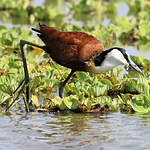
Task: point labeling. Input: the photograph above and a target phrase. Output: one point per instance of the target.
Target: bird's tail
(36, 30)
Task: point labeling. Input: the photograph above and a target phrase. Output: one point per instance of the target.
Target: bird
(78, 51)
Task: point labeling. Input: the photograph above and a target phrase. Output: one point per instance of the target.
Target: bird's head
(113, 57)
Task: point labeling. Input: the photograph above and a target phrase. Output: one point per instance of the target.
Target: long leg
(62, 85)
(22, 44)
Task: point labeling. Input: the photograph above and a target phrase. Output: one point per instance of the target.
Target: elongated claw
(61, 90)
(62, 85)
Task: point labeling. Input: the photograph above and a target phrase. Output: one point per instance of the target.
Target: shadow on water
(74, 131)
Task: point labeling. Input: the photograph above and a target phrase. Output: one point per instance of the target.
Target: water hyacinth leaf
(130, 86)
(58, 103)
(106, 82)
(125, 97)
(82, 106)
(141, 61)
(13, 70)
(59, 19)
(125, 23)
(144, 30)
(97, 90)
(120, 99)
(104, 100)
(30, 67)
(71, 102)
(115, 29)
(5, 98)
(115, 103)
(144, 47)
(57, 100)
(137, 86)
(6, 39)
(62, 106)
(34, 99)
(81, 75)
(35, 82)
(140, 103)
(144, 86)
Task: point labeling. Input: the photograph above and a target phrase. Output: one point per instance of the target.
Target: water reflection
(123, 9)
(132, 50)
(74, 131)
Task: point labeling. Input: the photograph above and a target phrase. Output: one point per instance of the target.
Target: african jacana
(77, 51)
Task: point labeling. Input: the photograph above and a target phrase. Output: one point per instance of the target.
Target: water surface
(72, 131)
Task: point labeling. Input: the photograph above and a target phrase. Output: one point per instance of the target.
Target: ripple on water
(74, 131)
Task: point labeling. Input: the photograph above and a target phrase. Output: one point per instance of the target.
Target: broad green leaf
(140, 103)
(71, 102)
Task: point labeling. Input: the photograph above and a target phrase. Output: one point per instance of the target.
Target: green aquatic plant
(105, 92)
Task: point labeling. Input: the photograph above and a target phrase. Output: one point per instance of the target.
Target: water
(72, 131)
(132, 50)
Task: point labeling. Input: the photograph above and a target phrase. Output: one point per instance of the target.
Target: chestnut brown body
(69, 49)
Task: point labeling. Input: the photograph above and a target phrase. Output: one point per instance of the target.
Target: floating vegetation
(106, 92)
